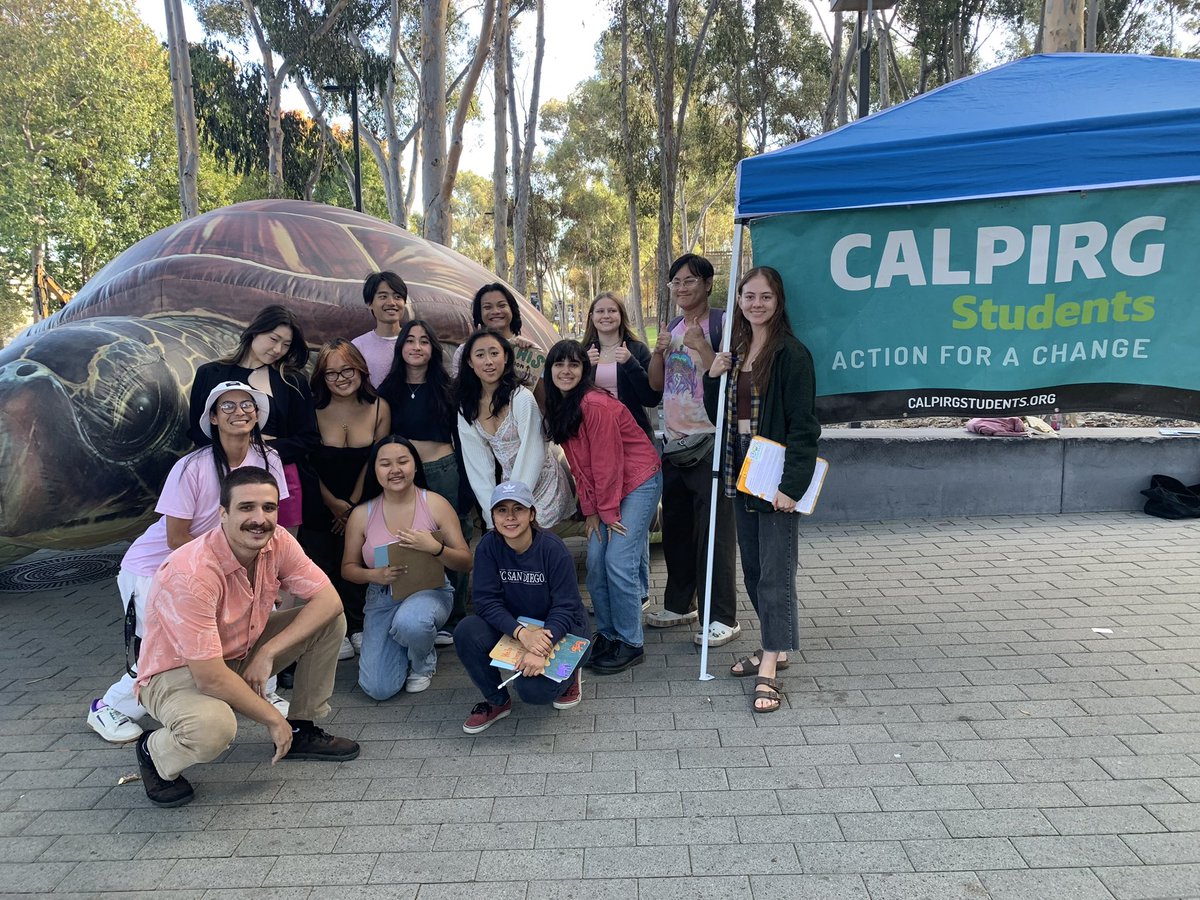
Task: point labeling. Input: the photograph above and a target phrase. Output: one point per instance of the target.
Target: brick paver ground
(954, 727)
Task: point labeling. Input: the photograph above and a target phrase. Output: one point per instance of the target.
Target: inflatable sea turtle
(93, 400)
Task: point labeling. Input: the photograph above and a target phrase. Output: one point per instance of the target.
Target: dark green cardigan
(787, 415)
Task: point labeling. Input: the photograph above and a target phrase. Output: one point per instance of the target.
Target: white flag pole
(718, 448)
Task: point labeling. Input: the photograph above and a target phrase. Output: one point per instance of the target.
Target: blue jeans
(614, 565)
(397, 635)
(474, 640)
(770, 551)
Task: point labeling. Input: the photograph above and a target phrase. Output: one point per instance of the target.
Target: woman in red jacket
(619, 481)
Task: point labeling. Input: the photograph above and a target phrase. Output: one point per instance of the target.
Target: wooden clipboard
(425, 573)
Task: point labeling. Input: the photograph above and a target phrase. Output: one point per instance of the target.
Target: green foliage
(231, 107)
(87, 144)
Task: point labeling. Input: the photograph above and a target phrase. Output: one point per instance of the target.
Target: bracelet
(517, 633)
(441, 550)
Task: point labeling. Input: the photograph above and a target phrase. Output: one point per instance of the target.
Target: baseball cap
(512, 490)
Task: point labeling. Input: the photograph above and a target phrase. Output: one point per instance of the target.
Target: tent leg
(726, 333)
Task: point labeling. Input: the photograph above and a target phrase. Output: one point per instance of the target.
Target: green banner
(1078, 301)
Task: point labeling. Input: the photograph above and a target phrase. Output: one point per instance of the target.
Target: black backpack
(1170, 498)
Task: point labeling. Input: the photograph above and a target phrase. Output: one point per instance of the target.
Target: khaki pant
(198, 728)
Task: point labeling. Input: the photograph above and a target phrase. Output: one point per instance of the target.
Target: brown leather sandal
(749, 667)
(771, 694)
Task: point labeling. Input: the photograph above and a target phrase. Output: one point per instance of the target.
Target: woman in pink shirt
(619, 481)
(398, 624)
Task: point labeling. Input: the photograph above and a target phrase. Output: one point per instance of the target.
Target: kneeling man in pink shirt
(212, 639)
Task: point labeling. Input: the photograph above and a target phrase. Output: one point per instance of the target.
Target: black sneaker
(619, 657)
(160, 791)
(311, 742)
(601, 646)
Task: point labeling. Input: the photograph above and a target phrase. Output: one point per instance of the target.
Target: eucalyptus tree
(86, 151)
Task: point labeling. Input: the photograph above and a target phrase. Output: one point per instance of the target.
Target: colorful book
(564, 656)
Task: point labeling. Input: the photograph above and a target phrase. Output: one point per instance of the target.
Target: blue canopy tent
(889, 223)
(1057, 122)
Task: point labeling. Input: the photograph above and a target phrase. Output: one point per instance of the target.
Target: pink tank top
(377, 534)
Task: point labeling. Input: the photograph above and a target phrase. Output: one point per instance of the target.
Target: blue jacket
(539, 583)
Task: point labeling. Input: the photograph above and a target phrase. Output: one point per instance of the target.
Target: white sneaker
(279, 703)
(664, 618)
(356, 642)
(444, 638)
(115, 727)
(718, 633)
(417, 683)
(347, 650)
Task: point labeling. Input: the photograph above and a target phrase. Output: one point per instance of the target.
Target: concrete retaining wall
(903, 473)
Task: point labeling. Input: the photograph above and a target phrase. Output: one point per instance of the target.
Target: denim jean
(399, 636)
(441, 477)
(474, 639)
(614, 564)
(769, 546)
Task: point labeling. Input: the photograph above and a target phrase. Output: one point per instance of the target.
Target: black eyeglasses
(228, 406)
(345, 374)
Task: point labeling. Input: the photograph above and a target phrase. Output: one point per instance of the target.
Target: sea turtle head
(91, 417)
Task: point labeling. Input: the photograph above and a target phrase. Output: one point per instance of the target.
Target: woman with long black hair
(420, 393)
(771, 393)
(499, 422)
(397, 647)
(618, 477)
(351, 418)
(270, 357)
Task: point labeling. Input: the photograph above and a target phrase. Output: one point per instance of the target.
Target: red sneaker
(573, 695)
(484, 715)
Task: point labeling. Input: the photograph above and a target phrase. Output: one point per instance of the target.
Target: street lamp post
(352, 90)
(864, 9)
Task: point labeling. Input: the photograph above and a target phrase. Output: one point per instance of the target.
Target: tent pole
(726, 334)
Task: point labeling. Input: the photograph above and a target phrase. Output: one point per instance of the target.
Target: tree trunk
(635, 255)
(410, 193)
(433, 119)
(390, 167)
(500, 89)
(37, 258)
(1093, 25)
(833, 104)
(439, 157)
(671, 113)
(318, 116)
(1063, 26)
(885, 87)
(524, 177)
(310, 184)
(186, 139)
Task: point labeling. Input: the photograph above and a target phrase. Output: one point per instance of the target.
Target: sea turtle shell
(310, 257)
(93, 400)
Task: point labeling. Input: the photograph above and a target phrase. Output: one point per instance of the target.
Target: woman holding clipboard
(771, 394)
(398, 631)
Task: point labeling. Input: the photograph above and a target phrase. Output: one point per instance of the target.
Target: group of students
(386, 444)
